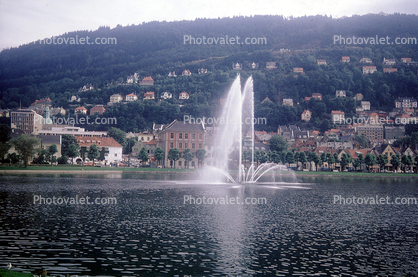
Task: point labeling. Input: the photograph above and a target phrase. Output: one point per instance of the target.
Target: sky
(25, 21)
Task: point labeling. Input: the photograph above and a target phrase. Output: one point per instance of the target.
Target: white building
(110, 150)
(166, 95)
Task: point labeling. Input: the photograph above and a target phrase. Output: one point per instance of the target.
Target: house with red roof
(147, 81)
(149, 95)
(183, 95)
(80, 110)
(110, 150)
(131, 97)
(97, 110)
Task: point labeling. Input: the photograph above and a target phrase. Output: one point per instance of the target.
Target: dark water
(152, 232)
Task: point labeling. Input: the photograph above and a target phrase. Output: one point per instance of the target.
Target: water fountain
(237, 118)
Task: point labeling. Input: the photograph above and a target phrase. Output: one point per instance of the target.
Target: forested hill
(34, 71)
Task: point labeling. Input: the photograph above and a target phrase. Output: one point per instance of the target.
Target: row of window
(186, 145)
(186, 136)
(180, 163)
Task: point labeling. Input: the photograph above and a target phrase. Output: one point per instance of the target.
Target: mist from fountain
(237, 118)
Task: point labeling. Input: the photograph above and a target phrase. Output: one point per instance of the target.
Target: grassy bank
(91, 169)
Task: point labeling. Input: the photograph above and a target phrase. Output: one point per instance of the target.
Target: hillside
(36, 71)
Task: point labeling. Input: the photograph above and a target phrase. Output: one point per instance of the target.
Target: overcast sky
(24, 21)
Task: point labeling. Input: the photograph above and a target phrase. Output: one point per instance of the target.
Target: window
(180, 135)
(148, 138)
(179, 163)
(200, 136)
(200, 145)
(172, 135)
(180, 145)
(186, 136)
(116, 154)
(193, 136)
(171, 145)
(186, 145)
(193, 145)
(193, 163)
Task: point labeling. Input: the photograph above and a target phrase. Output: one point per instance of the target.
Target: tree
(52, 149)
(67, 140)
(93, 152)
(42, 156)
(4, 148)
(406, 161)
(325, 126)
(174, 155)
(361, 140)
(25, 146)
(313, 157)
(14, 158)
(278, 143)
(356, 164)
(370, 161)
(5, 133)
(118, 135)
(395, 161)
(302, 159)
(330, 159)
(360, 160)
(159, 155)
(290, 158)
(344, 161)
(72, 152)
(336, 159)
(130, 142)
(382, 160)
(188, 156)
(143, 155)
(200, 155)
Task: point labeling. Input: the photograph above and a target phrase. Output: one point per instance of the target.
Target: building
(131, 97)
(202, 71)
(99, 109)
(389, 70)
(147, 81)
(271, 65)
(149, 95)
(183, 95)
(110, 150)
(288, 102)
(298, 70)
(237, 66)
(340, 93)
(365, 105)
(394, 132)
(369, 69)
(115, 98)
(337, 117)
(321, 62)
(186, 72)
(47, 141)
(406, 60)
(373, 132)
(74, 131)
(172, 74)
(150, 146)
(359, 97)
(80, 110)
(365, 60)
(389, 61)
(345, 59)
(86, 87)
(253, 65)
(74, 98)
(26, 120)
(406, 102)
(181, 135)
(306, 115)
(166, 95)
(145, 136)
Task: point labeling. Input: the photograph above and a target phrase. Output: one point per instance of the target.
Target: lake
(159, 225)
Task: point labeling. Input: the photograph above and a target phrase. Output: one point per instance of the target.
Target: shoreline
(78, 171)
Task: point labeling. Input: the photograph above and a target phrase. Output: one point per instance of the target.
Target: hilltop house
(306, 115)
(365, 60)
(321, 62)
(369, 69)
(337, 117)
(237, 66)
(115, 98)
(406, 102)
(183, 95)
(389, 70)
(271, 65)
(345, 59)
(99, 109)
(358, 96)
(166, 95)
(172, 74)
(288, 102)
(340, 93)
(202, 71)
(149, 95)
(389, 61)
(298, 70)
(186, 73)
(131, 97)
(147, 81)
(80, 110)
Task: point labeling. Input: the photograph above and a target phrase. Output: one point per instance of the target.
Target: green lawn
(89, 168)
(11, 273)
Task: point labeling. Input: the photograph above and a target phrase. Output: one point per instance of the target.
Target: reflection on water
(150, 231)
